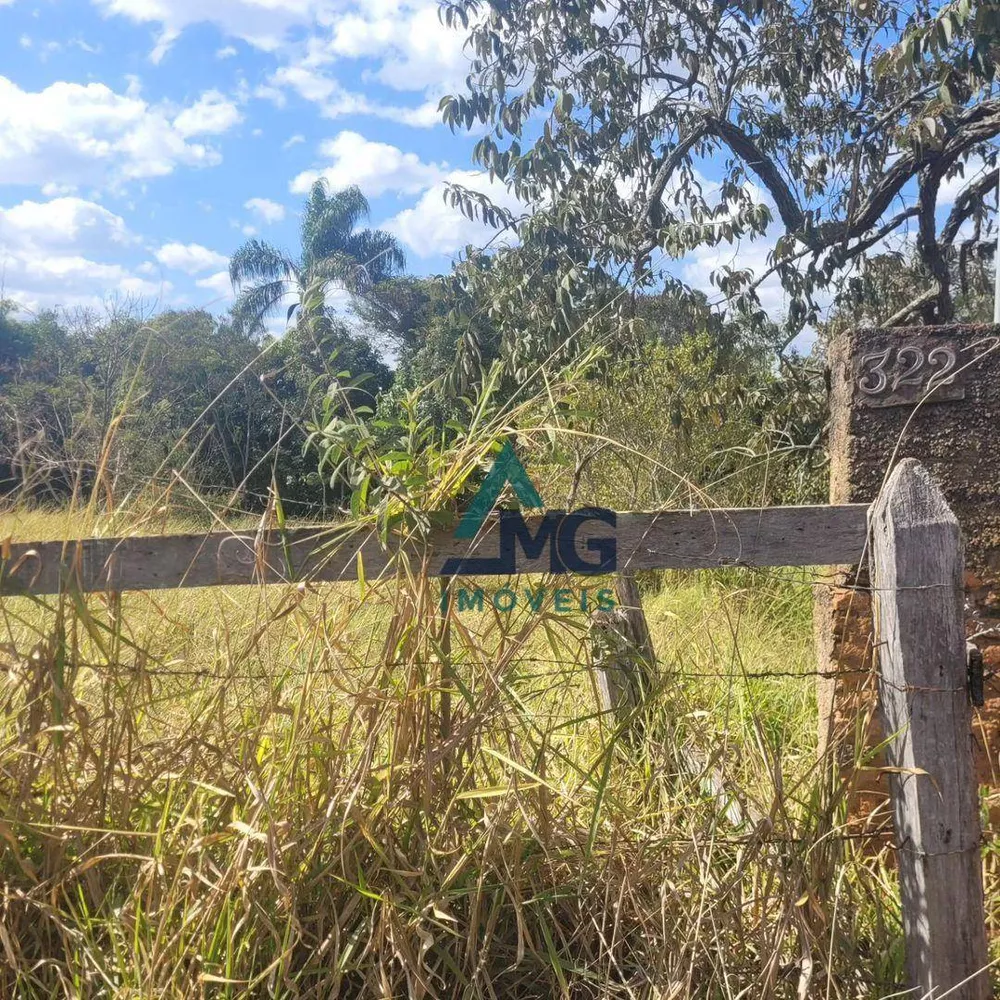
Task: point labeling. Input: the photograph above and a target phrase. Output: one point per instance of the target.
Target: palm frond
(255, 304)
(257, 260)
(336, 268)
(347, 208)
(329, 220)
(378, 252)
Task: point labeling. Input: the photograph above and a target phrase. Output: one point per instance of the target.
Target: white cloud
(57, 190)
(47, 252)
(226, 52)
(191, 258)
(308, 83)
(75, 134)
(335, 101)
(403, 42)
(293, 140)
(262, 23)
(163, 44)
(433, 227)
(416, 49)
(140, 287)
(209, 115)
(376, 167)
(61, 223)
(52, 47)
(269, 211)
(218, 284)
(425, 115)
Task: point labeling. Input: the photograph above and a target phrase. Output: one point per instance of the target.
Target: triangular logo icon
(506, 469)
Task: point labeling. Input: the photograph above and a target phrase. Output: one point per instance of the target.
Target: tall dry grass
(332, 790)
(298, 792)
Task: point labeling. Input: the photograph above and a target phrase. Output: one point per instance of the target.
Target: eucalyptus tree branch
(975, 126)
(894, 112)
(927, 244)
(834, 136)
(849, 253)
(843, 255)
(969, 199)
(764, 167)
(908, 310)
(665, 171)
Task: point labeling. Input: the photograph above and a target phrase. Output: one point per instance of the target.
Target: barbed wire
(562, 667)
(748, 676)
(559, 669)
(709, 840)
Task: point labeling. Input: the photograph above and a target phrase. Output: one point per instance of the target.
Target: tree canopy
(333, 252)
(830, 126)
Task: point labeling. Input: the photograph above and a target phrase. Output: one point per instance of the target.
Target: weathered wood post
(930, 393)
(630, 602)
(917, 575)
(623, 658)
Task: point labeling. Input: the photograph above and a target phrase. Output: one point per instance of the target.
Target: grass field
(309, 792)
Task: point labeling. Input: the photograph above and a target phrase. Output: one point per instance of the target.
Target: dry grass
(294, 792)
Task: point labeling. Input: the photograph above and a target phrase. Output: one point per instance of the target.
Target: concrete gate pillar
(930, 393)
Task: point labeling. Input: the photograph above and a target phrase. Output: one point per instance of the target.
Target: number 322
(911, 362)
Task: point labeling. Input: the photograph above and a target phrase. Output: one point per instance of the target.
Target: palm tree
(333, 252)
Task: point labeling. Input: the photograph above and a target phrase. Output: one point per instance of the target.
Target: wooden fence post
(630, 602)
(623, 658)
(917, 577)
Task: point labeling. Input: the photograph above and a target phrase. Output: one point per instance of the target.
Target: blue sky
(141, 141)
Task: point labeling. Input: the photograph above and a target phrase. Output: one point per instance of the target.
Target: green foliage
(405, 468)
(334, 252)
(400, 310)
(604, 118)
(536, 305)
(695, 425)
(879, 293)
(394, 469)
(678, 393)
(429, 324)
(130, 406)
(184, 397)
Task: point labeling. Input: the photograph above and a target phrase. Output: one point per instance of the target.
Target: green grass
(295, 792)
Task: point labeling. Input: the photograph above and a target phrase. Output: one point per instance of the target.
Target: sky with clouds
(141, 141)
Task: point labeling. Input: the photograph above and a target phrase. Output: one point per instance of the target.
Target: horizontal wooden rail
(770, 536)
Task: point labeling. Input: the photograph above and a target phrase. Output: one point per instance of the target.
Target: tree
(399, 310)
(890, 281)
(334, 252)
(847, 117)
(426, 323)
(40, 395)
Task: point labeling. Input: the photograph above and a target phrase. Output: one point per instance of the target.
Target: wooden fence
(775, 536)
(915, 551)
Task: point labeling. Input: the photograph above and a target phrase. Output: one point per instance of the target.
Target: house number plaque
(919, 369)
